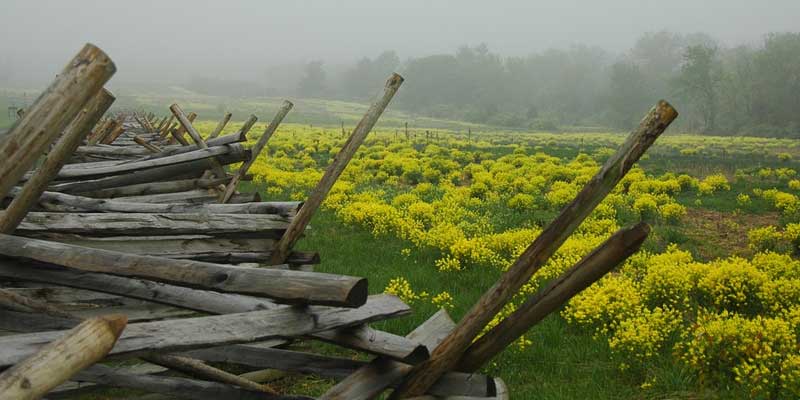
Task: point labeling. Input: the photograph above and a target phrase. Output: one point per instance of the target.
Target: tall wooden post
(256, 150)
(446, 356)
(46, 118)
(36, 185)
(303, 217)
(220, 125)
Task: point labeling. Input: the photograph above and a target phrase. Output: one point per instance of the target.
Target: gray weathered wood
(73, 135)
(256, 149)
(334, 170)
(221, 125)
(284, 285)
(45, 119)
(189, 333)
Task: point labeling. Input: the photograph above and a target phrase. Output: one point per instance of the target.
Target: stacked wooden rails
(129, 240)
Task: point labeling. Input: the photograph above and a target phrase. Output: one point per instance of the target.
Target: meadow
(709, 308)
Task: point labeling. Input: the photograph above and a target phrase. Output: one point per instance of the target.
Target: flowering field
(710, 305)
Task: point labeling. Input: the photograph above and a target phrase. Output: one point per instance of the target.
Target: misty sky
(169, 40)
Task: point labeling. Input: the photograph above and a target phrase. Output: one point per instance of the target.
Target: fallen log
(283, 285)
(170, 186)
(196, 196)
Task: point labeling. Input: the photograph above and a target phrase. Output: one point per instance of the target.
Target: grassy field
(709, 309)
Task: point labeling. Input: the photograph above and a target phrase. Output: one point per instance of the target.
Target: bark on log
(230, 189)
(47, 117)
(67, 353)
(334, 170)
(447, 355)
(42, 176)
(594, 266)
(283, 285)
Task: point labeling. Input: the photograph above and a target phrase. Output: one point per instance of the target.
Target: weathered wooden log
(113, 134)
(190, 333)
(230, 189)
(196, 196)
(372, 379)
(14, 301)
(84, 171)
(170, 186)
(150, 147)
(72, 137)
(362, 338)
(101, 129)
(221, 125)
(165, 129)
(135, 152)
(45, 119)
(248, 124)
(62, 202)
(198, 369)
(283, 285)
(186, 170)
(182, 388)
(594, 266)
(68, 352)
(449, 352)
(177, 134)
(198, 140)
(133, 224)
(334, 170)
(194, 247)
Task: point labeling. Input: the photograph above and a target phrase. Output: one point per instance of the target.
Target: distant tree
(313, 82)
(698, 82)
(627, 97)
(367, 76)
(777, 81)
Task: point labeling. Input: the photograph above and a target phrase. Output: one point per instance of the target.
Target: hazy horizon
(172, 41)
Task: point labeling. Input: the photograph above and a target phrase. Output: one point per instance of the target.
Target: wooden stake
(57, 361)
(218, 171)
(146, 144)
(220, 125)
(46, 118)
(259, 146)
(299, 223)
(43, 175)
(450, 351)
(591, 268)
(177, 135)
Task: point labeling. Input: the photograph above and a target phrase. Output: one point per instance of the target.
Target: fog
(170, 41)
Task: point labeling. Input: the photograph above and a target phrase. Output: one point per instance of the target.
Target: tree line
(745, 90)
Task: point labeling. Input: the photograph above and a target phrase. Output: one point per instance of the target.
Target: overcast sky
(174, 39)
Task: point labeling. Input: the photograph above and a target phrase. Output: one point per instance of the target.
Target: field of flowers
(731, 323)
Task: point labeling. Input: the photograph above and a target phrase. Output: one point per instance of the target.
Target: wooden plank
(73, 135)
(288, 286)
(334, 170)
(140, 224)
(52, 111)
(189, 333)
(66, 353)
(448, 354)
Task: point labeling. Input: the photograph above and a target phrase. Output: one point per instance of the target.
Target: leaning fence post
(198, 140)
(445, 357)
(256, 150)
(220, 125)
(303, 217)
(36, 185)
(46, 118)
(588, 270)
